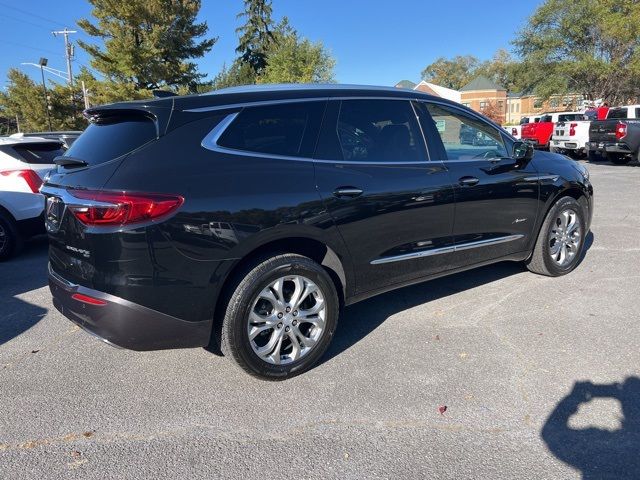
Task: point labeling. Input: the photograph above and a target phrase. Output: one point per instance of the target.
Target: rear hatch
(603, 131)
(113, 134)
(35, 161)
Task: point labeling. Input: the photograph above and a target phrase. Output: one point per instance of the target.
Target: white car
(24, 162)
(571, 135)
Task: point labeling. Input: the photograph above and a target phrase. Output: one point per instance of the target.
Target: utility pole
(68, 50)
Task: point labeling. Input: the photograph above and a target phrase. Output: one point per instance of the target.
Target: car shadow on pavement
(598, 452)
(21, 274)
(359, 320)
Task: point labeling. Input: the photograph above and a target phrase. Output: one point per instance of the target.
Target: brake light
(32, 178)
(87, 299)
(621, 130)
(572, 129)
(121, 208)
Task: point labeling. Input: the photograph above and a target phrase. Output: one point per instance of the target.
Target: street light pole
(43, 63)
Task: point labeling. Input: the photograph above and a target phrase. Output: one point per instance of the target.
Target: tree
(296, 60)
(452, 73)
(24, 99)
(256, 35)
(503, 69)
(493, 112)
(148, 44)
(583, 46)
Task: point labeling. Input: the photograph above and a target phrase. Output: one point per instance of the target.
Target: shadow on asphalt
(596, 452)
(361, 319)
(21, 274)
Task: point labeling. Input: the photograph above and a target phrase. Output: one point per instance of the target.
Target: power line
(37, 49)
(24, 12)
(16, 19)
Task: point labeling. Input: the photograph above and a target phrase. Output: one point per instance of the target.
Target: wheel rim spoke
(287, 319)
(565, 237)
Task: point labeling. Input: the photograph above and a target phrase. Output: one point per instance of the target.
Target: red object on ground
(442, 409)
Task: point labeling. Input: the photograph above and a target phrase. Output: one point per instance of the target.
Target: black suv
(248, 217)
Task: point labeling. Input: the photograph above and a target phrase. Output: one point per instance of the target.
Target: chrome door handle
(468, 181)
(347, 192)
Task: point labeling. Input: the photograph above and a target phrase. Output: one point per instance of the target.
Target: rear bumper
(613, 147)
(535, 142)
(123, 323)
(567, 145)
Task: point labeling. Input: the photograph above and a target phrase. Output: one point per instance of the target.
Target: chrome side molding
(451, 249)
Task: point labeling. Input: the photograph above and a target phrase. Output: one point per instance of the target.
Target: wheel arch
(319, 251)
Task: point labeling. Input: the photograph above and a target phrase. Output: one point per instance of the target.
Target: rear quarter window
(39, 153)
(288, 129)
(111, 138)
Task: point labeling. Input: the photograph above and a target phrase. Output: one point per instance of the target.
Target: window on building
(554, 103)
(517, 107)
(466, 104)
(483, 105)
(537, 103)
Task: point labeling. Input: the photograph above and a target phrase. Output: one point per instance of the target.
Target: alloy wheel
(287, 319)
(565, 237)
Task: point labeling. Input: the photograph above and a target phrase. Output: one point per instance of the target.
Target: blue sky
(373, 42)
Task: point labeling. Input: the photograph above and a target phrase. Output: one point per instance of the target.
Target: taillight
(32, 178)
(621, 130)
(572, 129)
(514, 131)
(121, 208)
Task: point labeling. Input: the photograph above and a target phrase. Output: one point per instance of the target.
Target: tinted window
(617, 113)
(570, 117)
(39, 152)
(546, 118)
(379, 131)
(287, 129)
(464, 136)
(111, 138)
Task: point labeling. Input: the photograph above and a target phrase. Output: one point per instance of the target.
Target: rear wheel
(281, 317)
(560, 240)
(10, 238)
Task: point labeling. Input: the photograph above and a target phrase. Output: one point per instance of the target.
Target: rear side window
(379, 131)
(546, 118)
(570, 117)
(39, 153)
(617, 113)
(288, 129)
(111, 138)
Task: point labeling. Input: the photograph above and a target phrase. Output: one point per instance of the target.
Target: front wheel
(560, 240)
(281, 317)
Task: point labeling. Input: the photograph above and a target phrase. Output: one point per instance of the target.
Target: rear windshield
(617, 113)
(39, 152)
(570, 117)
(112, 138)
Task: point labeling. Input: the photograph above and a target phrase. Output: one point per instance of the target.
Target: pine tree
(256, 35)
(149, 44)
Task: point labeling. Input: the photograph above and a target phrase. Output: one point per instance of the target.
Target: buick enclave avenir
(249, 217)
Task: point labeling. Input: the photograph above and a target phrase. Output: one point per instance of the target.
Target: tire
(594, 156)
(618, 158)
(271, 354)
(10, 239)
(544, 260)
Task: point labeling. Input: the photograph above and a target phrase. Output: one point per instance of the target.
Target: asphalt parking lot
(513, 356)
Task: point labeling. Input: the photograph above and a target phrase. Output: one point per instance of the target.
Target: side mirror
(522, 151)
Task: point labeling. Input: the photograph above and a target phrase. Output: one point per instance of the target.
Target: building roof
(405, 84)
(481, 83)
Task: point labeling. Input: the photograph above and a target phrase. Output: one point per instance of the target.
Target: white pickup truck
(570, 135)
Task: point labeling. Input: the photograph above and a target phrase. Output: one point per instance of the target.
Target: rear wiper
(69, 162)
